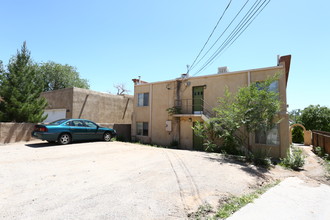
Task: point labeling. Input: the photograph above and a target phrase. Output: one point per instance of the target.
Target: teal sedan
(65, 131)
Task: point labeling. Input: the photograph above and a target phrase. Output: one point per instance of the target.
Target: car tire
(107, 136)
(64, 138)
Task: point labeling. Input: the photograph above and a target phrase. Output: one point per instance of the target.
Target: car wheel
(107, 136)
(64, 138)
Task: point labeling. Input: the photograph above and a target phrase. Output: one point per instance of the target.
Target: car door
(93, 131)
(78, 130)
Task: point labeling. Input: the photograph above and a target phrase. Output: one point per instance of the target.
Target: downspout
(150, 112)
(249, 135)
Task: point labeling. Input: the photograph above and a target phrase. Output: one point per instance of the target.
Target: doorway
(198, 95)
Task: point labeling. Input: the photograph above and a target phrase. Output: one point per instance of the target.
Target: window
(273, 87)
(269, 138)
(142, 128)
(91, 124)
(143, 99)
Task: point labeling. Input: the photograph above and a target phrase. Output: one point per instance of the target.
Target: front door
(198, 142)
(198, 95)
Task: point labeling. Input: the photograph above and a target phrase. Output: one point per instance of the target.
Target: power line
(239, 29)
(220, 36)
(243, 30)
(215, 27)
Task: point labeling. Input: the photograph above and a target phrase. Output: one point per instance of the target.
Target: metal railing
(187, 107)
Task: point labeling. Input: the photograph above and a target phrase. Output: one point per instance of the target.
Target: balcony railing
(187, 107)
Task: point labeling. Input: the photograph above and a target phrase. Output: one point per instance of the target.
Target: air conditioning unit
(223, 69)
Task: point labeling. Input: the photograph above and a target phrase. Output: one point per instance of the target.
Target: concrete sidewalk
(291, 199)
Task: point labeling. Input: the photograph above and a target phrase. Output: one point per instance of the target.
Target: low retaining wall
(16, 132)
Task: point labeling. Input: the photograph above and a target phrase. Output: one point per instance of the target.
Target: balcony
(188, 108)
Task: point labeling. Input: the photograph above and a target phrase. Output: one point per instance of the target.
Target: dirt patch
(121, 180)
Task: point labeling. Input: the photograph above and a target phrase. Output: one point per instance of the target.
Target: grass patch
(230, 205)
(235, 203)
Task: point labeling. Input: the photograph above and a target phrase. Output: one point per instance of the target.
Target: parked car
(64, 131)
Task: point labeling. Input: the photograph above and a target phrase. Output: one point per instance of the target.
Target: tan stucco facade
(96, 106)
(166, 94)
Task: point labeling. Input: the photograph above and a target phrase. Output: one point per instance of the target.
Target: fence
(322, 139)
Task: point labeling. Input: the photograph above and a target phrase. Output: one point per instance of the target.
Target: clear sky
(111, 42)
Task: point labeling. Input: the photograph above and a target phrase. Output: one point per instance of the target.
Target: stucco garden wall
(15, 132)
(96, 106)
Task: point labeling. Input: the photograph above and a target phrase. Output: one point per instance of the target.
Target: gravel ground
(115, 180)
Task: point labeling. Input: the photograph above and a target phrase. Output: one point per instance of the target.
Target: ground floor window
(271, 137)
(142, 128)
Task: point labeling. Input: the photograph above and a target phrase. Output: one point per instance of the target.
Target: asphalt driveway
(114, 180)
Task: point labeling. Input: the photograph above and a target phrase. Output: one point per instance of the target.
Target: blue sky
(111, 42)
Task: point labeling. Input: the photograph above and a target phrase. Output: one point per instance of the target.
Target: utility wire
(215, 27)
(239, 29)
(233, 34)
(243, 30)
(192, 67)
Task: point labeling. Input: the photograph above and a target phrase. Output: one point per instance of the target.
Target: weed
(202, 212)
(294, 160)
(235, 203)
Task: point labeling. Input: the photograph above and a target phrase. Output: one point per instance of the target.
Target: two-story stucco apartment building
(197, 96)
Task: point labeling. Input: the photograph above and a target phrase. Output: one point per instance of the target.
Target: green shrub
(297, 135)
(319, 151)
(260, 158)
(294, 160)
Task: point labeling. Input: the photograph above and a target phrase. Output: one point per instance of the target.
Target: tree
(253, 108)
(121, 89)
(57, 76)
(316, 117)
(20, 90)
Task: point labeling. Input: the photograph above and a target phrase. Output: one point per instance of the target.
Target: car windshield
(57, 122)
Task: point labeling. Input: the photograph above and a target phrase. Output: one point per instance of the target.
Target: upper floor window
(143, 99)
(273, 87)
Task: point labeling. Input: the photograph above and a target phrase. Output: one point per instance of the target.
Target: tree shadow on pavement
(242, 164)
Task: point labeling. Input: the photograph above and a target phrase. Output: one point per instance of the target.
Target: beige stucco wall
(162, 95)
(60, 99)
(96, 106)
(15, 132)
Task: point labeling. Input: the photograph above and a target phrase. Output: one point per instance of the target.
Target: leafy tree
(294, 115)
(316, 117)
(57, 76)
(20, 90)
(251, 109)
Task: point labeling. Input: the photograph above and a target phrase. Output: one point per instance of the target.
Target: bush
(319, 151)
(294, 160)
(297, 135)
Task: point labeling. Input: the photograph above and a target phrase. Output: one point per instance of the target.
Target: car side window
(90, 124)
(77, 123)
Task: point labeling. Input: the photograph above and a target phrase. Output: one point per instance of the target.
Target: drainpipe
(150, 112)
(249, 140)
